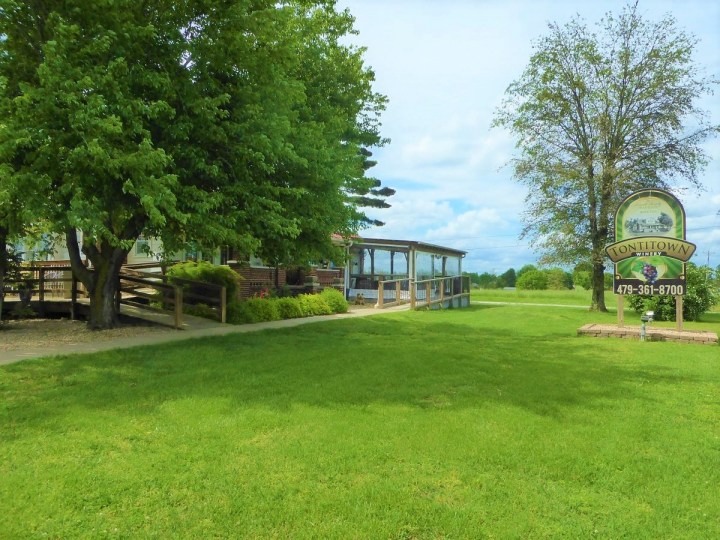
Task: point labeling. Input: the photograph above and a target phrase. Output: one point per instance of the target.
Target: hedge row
(256, 310)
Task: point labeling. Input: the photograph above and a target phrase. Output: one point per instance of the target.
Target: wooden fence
(56, 283)
(442, 291)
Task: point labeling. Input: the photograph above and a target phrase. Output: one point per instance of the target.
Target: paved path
(488, 303)
(195, 327)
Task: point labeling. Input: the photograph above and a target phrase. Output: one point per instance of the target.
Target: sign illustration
(650, 250)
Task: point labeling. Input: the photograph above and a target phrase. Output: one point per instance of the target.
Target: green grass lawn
(489, 422)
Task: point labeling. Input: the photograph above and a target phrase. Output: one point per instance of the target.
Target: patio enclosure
(398, 267)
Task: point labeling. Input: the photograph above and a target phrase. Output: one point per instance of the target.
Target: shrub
(313, 304)
(262, 309)
(582, 278)
(239, 313)
(253, 310)
(524, 270)
(532, 280)
(701, 295)
(288, 308)
(256, 310)
(335, 299)
(206, 272)
(200, 310)
(558, 279)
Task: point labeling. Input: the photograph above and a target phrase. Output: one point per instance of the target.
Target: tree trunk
(3, 268)
(598, 287)
(103, 312)
(101, 281)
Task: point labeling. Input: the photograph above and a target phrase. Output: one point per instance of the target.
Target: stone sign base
(651, 333)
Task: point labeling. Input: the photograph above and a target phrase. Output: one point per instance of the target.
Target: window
(142, 246)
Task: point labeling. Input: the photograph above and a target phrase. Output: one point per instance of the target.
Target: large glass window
(452, 266)
(423, 265)
(382, 262)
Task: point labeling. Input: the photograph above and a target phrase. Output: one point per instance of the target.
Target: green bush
(256, 310)
(265, 308)
(252, 310)
(239, 312)
(207, 272)
(582, 278)
(313, 304)
(558, 279)
(201, 310)
(289, 308)
(701, 294)
(532, 280)
(335, 299)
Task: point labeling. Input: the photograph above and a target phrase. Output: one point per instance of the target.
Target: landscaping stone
(651, 333)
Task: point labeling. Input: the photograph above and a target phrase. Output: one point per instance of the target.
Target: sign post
(650, 250)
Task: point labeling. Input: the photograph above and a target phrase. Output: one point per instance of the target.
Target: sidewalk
(195, 327)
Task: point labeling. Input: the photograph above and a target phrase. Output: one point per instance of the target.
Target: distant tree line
(531, 277)
(703, 287)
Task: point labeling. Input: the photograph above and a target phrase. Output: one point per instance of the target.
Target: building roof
(407, 244)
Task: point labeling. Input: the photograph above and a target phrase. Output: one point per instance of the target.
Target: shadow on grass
(418, 360)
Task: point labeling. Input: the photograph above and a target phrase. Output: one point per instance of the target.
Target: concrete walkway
(488, 303)
(194, 327)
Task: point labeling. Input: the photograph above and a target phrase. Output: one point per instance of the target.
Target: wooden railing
(47, 280)
(174, 292)
(449, 290)
(154, 291)
(393, 292)
(59, 282)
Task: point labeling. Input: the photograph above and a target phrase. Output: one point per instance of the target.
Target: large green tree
(598, 115)
(239, 122)
(11, 223)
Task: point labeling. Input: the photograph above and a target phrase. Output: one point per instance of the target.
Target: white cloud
(471, 224)
(445, 67)
(428, 150)
(409, 215)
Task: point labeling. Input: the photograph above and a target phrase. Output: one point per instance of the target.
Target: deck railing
(173, 292)
(57, 283)
(393, 292)
(441, 291)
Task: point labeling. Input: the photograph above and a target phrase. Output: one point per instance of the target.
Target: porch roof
(408, 245)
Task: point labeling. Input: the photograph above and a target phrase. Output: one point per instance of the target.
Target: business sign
(650, 250)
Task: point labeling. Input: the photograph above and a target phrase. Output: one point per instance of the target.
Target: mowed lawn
(489, 422)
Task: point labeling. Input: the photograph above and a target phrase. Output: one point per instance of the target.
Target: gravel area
(34, 334)
(53, 333)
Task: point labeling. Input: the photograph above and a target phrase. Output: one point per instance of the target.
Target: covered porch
(388, 272)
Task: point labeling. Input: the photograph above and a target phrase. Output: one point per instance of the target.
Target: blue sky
(444, 67)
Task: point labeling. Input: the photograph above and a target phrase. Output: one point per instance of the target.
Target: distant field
(576, 297)
(487, 422)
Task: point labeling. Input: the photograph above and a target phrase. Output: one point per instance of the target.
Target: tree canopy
(239, 123)
(598, 115)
